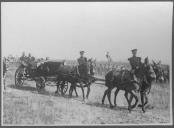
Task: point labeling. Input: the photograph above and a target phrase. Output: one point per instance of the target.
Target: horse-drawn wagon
(55, 72)
(42, 74)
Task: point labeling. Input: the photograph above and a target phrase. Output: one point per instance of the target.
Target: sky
(60, 30)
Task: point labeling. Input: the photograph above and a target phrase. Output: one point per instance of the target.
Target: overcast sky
(60, 30)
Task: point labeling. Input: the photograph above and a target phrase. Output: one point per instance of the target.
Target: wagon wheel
(19, 76)
(63, 87)
(40, 83)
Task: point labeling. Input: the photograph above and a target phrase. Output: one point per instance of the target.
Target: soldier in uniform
(109, 59)
(4, 70)
(83, 65)
(91, 67)
(135, 62)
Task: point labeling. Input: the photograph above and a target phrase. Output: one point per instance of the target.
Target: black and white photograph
(86, 63)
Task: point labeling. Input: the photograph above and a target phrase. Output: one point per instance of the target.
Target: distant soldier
(4, 70)
(83, 65)
(29, 57)
(109, 59)
(135, 61)
(91, 67)
(23, 57)
(33, 62)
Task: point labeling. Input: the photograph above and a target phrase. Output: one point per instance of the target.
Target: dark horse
(70, 74)
(158, 71)
(124, 80)
(145, 75)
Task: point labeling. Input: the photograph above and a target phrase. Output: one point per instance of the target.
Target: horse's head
(148, 70)
(91, 66)
(158, 71)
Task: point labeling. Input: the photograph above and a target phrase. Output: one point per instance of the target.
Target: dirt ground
(25, 106)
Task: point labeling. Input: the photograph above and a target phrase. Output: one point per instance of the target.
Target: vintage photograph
(86, 63)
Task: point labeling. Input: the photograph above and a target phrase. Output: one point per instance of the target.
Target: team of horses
(132, 83)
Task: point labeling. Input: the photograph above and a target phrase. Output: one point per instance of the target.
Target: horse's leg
(136, 100)
(129, 103)
(146, 100)
(71, 90)
(109, 97)
(75, 91)
(57, 87)
(88, 91)
(126, 96)
(115, 96)
(4, 84)
(62, 86)
(142, 100)
(103, 99)
(83, 92)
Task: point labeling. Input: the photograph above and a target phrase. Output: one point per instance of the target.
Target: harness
(77, 70)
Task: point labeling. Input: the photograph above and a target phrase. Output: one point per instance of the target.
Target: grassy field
(25, 106)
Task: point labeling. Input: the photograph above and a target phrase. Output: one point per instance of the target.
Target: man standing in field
(134, 61)
(4, 70)
(83, 65)
(109, 59)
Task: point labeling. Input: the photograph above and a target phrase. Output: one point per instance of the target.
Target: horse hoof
(111, 106)
(84, 102)
(143, 111)
(140, 105)
(115, 105)
(132, 107)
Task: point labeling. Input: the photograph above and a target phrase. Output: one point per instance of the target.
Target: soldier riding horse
(78, 75)
(139, 79)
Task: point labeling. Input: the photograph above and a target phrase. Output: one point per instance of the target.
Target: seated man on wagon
(83, 66)
(29, 63)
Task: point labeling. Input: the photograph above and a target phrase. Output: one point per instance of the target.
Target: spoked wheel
(63, 87)
(19, 77)
(40, 83)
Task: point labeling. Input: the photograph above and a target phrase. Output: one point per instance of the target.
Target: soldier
(83, 65)
(109, 59)
(91, 67)
(23, 57)
(135, 62)
(4, 70)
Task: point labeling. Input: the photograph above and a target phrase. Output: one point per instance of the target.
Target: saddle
(122, 76)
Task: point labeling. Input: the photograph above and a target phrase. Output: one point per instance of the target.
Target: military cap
(134, 50)
(82, 52)
(90, 60)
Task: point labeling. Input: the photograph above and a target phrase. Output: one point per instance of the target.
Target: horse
(123, 80)
(71, 74)
(166, 73)
(145, 75)
(158, 71)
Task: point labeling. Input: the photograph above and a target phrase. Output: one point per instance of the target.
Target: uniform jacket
(135, 62)
(83, 67)
(82, 60)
